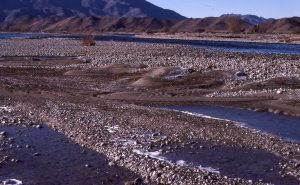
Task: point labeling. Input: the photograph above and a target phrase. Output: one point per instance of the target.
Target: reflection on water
(286, 127)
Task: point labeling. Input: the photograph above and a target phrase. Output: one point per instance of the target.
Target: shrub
(235, 24)
(88, 40)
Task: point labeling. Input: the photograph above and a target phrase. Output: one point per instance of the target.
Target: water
(219, 46)
(258, 48)
(232, 162)
(48, 157)
(22, 35)
(287, 127)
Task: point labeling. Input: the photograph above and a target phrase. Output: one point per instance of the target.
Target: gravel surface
(81, 93)
(257, 67)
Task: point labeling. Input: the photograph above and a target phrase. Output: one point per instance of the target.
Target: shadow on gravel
(48, 157)
(234, 162)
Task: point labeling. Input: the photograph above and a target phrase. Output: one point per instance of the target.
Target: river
(220, 46)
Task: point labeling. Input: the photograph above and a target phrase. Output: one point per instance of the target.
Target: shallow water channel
(287, 127)
(244, 163)
(44, 156)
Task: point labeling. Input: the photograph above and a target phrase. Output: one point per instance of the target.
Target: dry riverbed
(82, 114)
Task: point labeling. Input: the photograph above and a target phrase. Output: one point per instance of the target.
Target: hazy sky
(204, 8)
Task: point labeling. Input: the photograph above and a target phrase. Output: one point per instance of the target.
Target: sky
(205, 8)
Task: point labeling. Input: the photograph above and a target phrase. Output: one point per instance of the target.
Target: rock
(154, 175)
(103, 144)
(138, 181)
(87, 165)
(277, 111)
(111, 163)
(86, 60)
(39, 126)
(3, 133)
(129, 183)
(117, 158)
(12, 182)
(15, 160)
(36, 154)
(279, 91)
(240, 74)
(190, 70)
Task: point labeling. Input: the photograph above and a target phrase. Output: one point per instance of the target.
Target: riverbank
(94, 95)
(256, 38)
(252, 38)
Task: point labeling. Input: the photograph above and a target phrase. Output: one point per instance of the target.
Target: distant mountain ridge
(76, 24)
(125, 24)
(97, 16)
(251, 19)
(12, 9)
(96, 25)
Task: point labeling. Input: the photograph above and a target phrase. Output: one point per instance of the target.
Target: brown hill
(75, 24)
(125, 24)
(285, 25)
(228, 24)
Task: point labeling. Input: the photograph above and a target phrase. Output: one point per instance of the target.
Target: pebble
(39, 126)
(36, 154)
(256, 70)
(279, 91)
(111, 163)
(87, 165)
